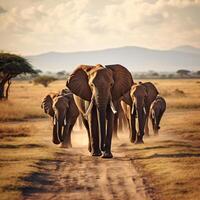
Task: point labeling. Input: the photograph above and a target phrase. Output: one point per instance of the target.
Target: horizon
(46, 52)
(33, 27)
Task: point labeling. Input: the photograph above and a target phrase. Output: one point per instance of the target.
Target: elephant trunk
(141, 112)
(102, 103)
(59, 122)
(156, 126)
(102, 128)
(56, 140)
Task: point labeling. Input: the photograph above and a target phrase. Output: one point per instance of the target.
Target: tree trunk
(2, 91)
(7, 89)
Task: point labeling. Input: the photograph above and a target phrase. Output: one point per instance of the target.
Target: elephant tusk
(89, 108)
(54, 120)
(144, 109)
(133, 109)
(65, 121)
(112, 107)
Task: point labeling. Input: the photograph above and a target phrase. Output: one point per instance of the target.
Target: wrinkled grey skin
(157, 110)
(64, 112)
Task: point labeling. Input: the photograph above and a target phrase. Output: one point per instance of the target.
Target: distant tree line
(181, 73)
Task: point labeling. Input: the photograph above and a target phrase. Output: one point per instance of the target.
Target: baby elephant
(157, 109)
(62, 108)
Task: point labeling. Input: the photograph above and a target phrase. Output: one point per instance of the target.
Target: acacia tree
(11, 65)
(183, 72)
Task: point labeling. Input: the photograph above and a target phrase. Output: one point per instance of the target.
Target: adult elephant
(64, 112)
(97, 89)
(137, 104)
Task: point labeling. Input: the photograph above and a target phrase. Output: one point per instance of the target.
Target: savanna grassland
(32, 167)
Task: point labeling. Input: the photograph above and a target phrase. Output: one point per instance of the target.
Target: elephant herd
(97, 94)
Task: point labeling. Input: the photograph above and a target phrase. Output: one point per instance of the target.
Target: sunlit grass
(168, 163)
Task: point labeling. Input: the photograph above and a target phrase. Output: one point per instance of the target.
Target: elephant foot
(66, 146)
(139, 140)
(96, 153)
(107, 155)
(89, 148)
(132, 140)
(56, 142)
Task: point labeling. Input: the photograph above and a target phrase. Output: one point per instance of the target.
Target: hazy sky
(35, 26)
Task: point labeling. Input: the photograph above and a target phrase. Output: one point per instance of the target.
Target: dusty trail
(74, 174)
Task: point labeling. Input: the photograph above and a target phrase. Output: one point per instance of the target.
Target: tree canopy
(183, 72)
(12, 65)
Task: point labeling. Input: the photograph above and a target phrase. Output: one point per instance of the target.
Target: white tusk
(54, 120)
(113, 107)
(65, 121)
(133, 109)
(144, 109)
(89, 108)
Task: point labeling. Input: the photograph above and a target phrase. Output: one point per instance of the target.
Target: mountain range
(134, 58)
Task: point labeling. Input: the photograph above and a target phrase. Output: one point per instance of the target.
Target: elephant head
(101, 86)
(60, 107)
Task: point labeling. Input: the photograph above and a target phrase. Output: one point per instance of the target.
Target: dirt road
(74, 174)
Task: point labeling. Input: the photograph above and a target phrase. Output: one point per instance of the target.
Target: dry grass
(168, 163)
(19, 153)
(25, 100)
(172, 89)
(10, 130)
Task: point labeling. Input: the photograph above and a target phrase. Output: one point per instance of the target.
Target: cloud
(39, 26)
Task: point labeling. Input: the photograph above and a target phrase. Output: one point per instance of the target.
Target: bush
(44, 80)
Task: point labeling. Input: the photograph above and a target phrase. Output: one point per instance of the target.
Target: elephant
(96, 91)
(64, 112)
(157, 110)
(120, 122)
(136, 104)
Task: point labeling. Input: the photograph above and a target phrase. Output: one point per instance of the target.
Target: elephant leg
(70, 133)
(133, 132)
(110, 118)
(66, 137)
(115, 126)
(146, 129)
(94, 133)
(120, 122)
(85, 122)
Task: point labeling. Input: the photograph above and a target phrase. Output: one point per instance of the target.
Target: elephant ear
(78, 82)
(122, 80)
(47, 104)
